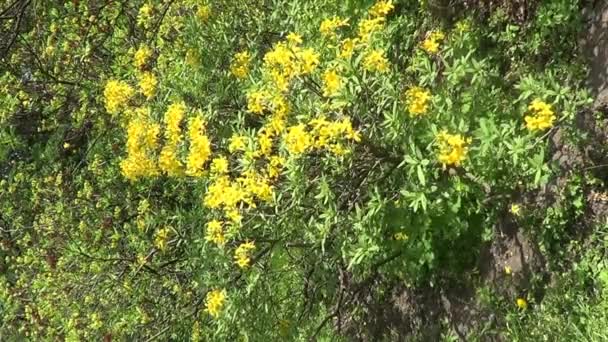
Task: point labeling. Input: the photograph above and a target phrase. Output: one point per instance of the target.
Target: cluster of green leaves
(78, 239)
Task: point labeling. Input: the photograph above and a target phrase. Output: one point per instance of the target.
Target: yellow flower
(144, 15)
(417, 100)
(521, 303)
(381, 8)
(432, 41)
(142, 138)
(367, 27)
(242, 254)
(203, 13)
(200, 147)
(332, 82)
(237, 143)
(348, 47)
(297, 140)
(508, 270)
(264, 143)
(141, 56)
(234, 216)
(515, 209)
(147, 84)
(256, 101)
(219, 166)
(160, 240)
(329, 26)
(294, 38)
(542, 116)
(240, 64)
(309, 59)
(275, 166)
(215, 233)
(117, 94)
(214, 302)
(401, 236)
(452, 148)
(66, 145)
(375, 61)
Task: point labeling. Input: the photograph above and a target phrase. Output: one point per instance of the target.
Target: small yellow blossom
(219, 166)
(417, 99)
(294, 38)
(515, 209)
(215, 233)
(508, 270)
(147, 84)
(256, 101)
(240, 64)
(432, 41)
(401, 236)
(381, 8)
(332, 82)
(117, 94)
(141, 57)
(348, 47)
(367, 27)
(242, 254)
(203, 13)
(309, 59)
(542, 116)
(160, 240)
(452, 148)
(376, 62)
(200, 147)
(329, 26)
(142, 141)
(144, 16)
(297, 140)
(237, 143)
(214, 302)
(522, 303)
(66, 145)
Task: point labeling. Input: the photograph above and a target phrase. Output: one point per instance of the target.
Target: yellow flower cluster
(332, 82)
(141, 57)
(142, 139)
(240, 64)
(145, 15)
(214, 302)
(256, 101)
(200, 147)
(147, 84)
(542, 116)
(219, 166)
(348, 47)
(381, 8)
(160, 240)
(417, 99)
(329, 26)
(367, 27)
(116, 95)
(226, 193)
(376, 62)
(242, 254)
(168, 160)
(237, 143)
(297, 139)
(452, 148)
(215, 233)
(288, 60)
(328, 134)
(432, 41)
(203, 13)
